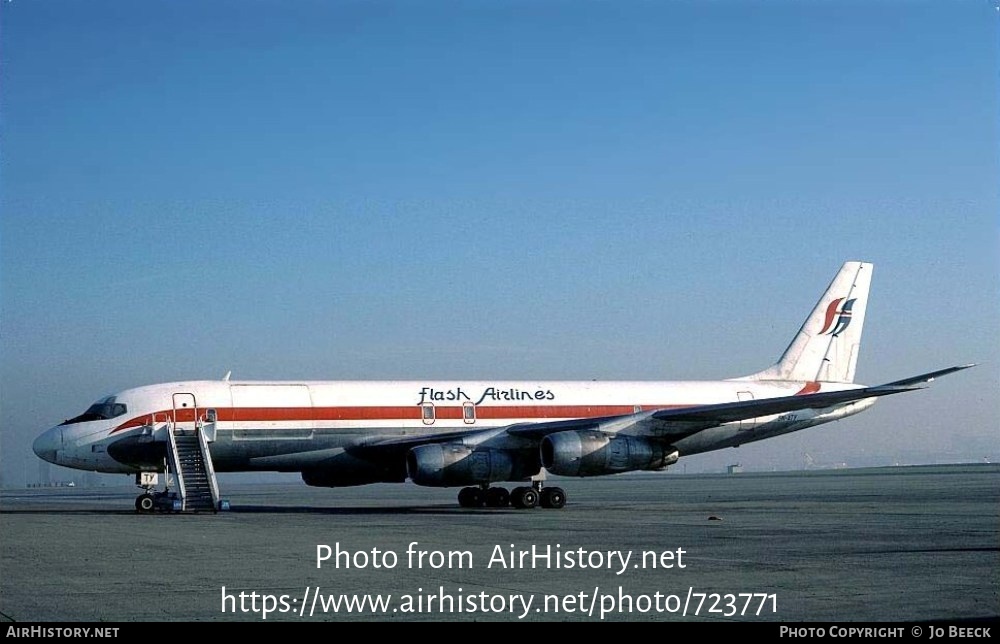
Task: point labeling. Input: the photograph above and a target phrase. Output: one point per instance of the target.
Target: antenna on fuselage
(225, 378)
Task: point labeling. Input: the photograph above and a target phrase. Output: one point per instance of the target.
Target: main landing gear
(522, 498)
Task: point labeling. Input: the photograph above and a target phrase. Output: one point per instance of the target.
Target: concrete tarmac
(888, 544)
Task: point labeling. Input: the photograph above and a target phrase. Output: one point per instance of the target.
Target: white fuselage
(292, 426)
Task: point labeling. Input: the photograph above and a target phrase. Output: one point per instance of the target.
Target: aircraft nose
(46, 445)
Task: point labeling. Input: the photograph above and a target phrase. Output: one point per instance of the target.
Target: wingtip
(927, 377)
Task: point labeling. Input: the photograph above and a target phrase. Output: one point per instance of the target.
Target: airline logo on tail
(841, 313)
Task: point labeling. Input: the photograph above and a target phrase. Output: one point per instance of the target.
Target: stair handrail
(206, 459)
(175, 466)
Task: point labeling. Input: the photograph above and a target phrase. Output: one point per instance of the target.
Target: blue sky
(650, 190)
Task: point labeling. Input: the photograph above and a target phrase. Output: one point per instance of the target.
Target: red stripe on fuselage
(317, 414)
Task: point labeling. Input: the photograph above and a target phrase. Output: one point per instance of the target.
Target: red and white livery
(475, 434)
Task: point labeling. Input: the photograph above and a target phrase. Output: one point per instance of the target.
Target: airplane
(469, 434)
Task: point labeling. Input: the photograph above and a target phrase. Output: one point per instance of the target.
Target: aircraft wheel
(524, 498)
(553, 498)
(497, 497)
(144, 503)
(470, 497)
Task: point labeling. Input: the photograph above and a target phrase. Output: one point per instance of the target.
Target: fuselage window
(469, 413)
(427, 413)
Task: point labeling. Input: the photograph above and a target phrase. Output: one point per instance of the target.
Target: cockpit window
(100, 410)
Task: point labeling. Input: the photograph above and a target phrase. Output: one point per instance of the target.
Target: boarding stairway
(194, 475)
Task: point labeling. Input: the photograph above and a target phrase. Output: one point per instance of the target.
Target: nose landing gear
(151, 501)
(145, 503)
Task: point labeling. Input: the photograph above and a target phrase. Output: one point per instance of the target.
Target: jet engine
(447, 465)
(345, 470)
(593, 453)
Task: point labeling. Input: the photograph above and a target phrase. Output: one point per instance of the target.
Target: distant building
(44, 474)
(735, 468)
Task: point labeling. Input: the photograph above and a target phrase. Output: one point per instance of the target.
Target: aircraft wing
(398, 445)
(926, 377)
(679, 422)
(685, 421)
(673, 422)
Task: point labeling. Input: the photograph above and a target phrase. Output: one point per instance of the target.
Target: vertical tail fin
(826, 347)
